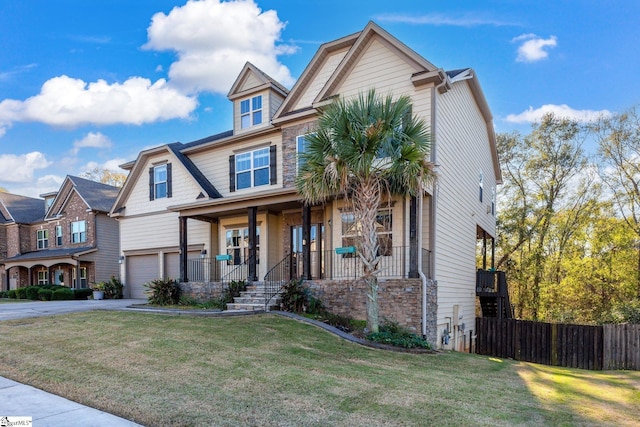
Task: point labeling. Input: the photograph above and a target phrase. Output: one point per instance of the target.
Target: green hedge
(45, 294)
(21, 293)
(62, 294)
(82, 294)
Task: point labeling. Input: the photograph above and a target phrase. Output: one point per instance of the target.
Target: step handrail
(276, 278)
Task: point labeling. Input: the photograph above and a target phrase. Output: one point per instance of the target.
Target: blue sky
(90, 84)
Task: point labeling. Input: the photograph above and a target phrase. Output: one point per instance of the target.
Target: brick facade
(289, 151)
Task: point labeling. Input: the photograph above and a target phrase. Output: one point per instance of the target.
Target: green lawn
(268, 370)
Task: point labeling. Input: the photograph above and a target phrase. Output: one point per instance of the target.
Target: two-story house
(230, 199)
(66, 238)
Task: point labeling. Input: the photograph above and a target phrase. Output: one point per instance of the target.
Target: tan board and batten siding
(105, 259)
(463, 153)
(149, 231)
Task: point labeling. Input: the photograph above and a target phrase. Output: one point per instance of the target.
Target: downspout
(432, 217)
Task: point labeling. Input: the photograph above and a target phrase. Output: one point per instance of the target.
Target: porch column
(30, 281)
(484, 250)
(184, 250)
(253, 237)
(413, 238)
(306, 242)
(493, 253)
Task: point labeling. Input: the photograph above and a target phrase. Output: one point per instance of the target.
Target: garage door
(141, 269)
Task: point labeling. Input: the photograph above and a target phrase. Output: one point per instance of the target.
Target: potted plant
(98, 290)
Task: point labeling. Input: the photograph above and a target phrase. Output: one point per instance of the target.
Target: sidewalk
(49, 410)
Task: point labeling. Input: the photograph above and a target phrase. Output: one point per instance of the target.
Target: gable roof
(250, 70)
(96, 195)
(174, 150)
(20, 209)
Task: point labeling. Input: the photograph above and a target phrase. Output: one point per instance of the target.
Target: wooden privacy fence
(573, 346)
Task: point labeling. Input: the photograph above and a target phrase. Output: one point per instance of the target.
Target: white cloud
(21, 166)
(533, 47)
(64, 101)
(91, 140)
(534, 116)
(466, 20)
(113, 165)
(214, 39)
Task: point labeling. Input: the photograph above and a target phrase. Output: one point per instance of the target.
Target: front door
(316, 244)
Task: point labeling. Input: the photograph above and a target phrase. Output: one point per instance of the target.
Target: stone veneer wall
(289, 151)
(201, 291)
(400, 300)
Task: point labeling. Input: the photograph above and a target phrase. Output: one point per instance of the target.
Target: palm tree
(366, 149)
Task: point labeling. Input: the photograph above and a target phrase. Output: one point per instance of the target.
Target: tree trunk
(366, 202)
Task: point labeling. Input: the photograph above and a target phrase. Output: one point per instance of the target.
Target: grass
(268, 370)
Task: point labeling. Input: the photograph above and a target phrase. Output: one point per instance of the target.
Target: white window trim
(251, 112)
(157, 182)
(81, 235)
(252, 169)
(42, 242)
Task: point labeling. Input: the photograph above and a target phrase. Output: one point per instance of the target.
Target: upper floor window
(58, 235)
(160, 181)
(78, 231)
(301, 147)
(251, 112)
(252, 168)
(42, 237)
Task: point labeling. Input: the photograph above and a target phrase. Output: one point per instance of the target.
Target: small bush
(391, 333)
(295, 297)
(82, 293)
(63, 294)
(163, 292)
(215, 303)
(3, 294)
(45, 294)
(113, 288)
(32, 292)
(21, 293)
(12, 294)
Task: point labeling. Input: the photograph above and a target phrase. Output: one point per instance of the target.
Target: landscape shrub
(82, 293)
(32, 292)
(391, 333)
(294, 297)
(163, 292)
(62, 294)
(21, 293)
(113, 288)
(12, 294)
(45, 294)
(3, 294)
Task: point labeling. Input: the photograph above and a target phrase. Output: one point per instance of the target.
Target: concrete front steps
(253, 299)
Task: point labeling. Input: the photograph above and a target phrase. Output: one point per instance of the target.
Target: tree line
(568, 223)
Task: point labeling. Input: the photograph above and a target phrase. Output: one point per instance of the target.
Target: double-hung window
(42, 238)
(351, 231)
(78, 231)
(58, 235)
(160, 181)
(252, 168)
(301, 148)
(43, 277)
(251, 112)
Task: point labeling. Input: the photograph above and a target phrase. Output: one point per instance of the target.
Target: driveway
(21, 310)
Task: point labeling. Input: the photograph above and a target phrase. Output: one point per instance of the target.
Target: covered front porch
(64, 267)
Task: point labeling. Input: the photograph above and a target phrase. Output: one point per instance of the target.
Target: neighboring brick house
(66, 238)
(203, 210)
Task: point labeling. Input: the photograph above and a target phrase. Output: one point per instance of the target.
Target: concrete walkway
(49, 410)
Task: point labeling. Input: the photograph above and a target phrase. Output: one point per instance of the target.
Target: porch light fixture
(203, 253)
(121, 259)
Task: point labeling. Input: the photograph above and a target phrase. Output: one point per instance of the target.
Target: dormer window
(160, 181)
(251, 112)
